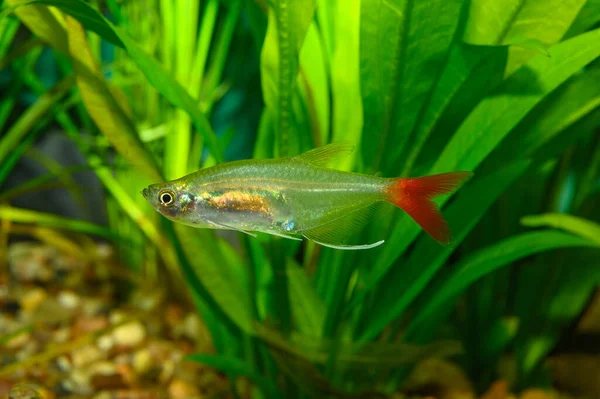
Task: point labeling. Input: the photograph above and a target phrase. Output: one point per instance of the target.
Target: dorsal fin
(325, 155)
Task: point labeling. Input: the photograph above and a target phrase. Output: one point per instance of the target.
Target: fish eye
(166, 197)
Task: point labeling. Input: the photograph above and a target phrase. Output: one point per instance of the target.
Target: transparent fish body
(288, 197)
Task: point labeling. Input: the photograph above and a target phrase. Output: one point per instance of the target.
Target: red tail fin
(414, 196)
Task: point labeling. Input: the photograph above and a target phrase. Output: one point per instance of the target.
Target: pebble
(180, 389)
(18, 340)
(86, 325)
(142, 361)
(68, 299)
(64, 364)
(86, 355)
(24, 391)
(79, 382)
(130, 334)
(117, 316)
(32, 299)
(106, 342)
(62, 335)
(30, 261)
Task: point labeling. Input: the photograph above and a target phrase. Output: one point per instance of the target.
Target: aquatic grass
(421, 87)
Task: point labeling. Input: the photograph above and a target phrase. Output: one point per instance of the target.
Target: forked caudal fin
(414, 196)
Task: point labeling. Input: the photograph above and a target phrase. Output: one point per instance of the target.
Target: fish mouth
(146, 192)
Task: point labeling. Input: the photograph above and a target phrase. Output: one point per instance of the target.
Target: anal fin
(335, 233)
(227, 227)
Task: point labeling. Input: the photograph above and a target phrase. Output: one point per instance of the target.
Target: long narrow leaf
(575, 225)
(154, 72)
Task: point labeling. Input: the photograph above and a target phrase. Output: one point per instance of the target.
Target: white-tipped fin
(226, 227)
(283, 235)
(351, 247)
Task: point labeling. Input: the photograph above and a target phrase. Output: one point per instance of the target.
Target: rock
(142, 361)
(86, 355)
(32, 299)
(537, 394)
(180, 389)
(64, 364)
(498, 390)
(24, 391)
(61, 335)
(68, 299)
(31, 262)
(130, 334)
(79, 382)
(18, 340)
(106, 342)
(85, 325)
(117, 316)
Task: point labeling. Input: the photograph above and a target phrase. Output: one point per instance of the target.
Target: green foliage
(503, 88)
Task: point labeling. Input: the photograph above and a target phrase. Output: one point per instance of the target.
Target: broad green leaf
(235, 367)
(427, 256)
(495, 116)
(355, 355)
(286, 30)
(339, 23)
(313, 82)
(154, 72)
(492, 120)
(484, 262)
(19, 215)
(494, 22)
(403, 45)
(581, 227)
(469, 75)
(306, 306)
(210, 269)
(588, 18)
(112, 120)
(46, 22)
(563, 293)
(576, 98)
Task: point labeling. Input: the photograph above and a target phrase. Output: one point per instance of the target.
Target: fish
(300, 197)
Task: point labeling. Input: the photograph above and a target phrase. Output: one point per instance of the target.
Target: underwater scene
(300, 199)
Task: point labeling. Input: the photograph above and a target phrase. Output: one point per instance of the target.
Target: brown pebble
(180, 389)
(498, 390)
(108, 381)
(86, 325)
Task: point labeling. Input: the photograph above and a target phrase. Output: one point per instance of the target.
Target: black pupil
(166, 198)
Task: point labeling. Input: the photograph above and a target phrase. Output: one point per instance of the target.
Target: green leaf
(339, 23)
(427, 256)
(19, 215)
(495, 23)
(403, 47)
(32, 115)
(110, 117)
(288, 23)
(211, 269)
(480, 133)
(486, 261)
(581, 227)
(588, 17)
(40, 22)
(306, 305)
(571, 102)
(235, 367)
